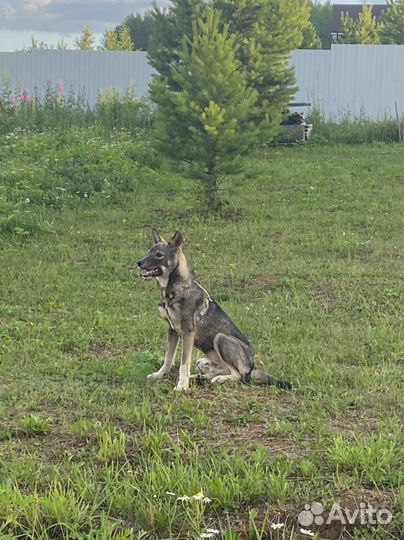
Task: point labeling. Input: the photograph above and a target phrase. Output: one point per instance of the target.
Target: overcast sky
(52, 20)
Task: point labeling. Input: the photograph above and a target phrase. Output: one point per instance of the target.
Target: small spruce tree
(86, 40)
(110, 40)
(125, 40)
(203, 119)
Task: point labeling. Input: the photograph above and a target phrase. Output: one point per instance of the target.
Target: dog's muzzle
(149, 273)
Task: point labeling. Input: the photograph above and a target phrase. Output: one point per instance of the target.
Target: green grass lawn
(308, 263)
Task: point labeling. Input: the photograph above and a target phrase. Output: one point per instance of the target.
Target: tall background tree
(265, 32)
(392, 23)
(169, 29)
(311, 39)
(204, 117)
(364, 30)
(321, 16)
(141, 29)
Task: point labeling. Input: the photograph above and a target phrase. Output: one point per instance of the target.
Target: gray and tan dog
(198, 320)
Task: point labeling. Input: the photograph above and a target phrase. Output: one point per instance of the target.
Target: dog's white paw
(182, 386)
(157, 376)
(219, 379)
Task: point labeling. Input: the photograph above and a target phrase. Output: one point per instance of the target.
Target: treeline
(137, 32)
(367, 30)
(316, 32)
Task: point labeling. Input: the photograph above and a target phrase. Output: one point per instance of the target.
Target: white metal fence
(348, 79)
(84, 72)
(352, 79)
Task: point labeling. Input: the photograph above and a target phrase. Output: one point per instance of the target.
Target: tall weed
(350, 130)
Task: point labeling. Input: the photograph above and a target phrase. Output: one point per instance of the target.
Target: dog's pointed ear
(157, 237)
(177, 240)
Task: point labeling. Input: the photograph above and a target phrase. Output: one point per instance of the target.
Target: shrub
(17, 218)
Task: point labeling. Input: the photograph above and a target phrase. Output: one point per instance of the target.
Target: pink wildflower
(60, 90)
(25, 98)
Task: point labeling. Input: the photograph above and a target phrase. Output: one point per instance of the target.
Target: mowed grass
(308, 262)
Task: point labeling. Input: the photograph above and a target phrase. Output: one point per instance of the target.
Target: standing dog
(192, 315)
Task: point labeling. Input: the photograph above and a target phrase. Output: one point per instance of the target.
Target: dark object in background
(294, 127)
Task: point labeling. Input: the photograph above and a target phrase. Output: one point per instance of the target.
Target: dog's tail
(260, 377)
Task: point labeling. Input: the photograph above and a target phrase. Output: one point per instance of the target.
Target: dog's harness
(169, 300)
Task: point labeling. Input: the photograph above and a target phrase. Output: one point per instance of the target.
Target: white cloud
(67, 15)
(6, 10)
(33, 5)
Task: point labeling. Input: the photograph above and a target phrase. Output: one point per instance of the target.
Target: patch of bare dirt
(105, 350)
(324, 294)
(272, 282)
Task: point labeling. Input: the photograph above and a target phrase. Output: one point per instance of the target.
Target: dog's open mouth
(153, 272)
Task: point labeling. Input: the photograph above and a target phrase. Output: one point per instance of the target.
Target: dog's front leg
(172, 342)
(185, 368)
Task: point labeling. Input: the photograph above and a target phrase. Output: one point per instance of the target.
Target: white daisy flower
(276, 526)
(307, 532)
(201, 497)
(184, 498)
